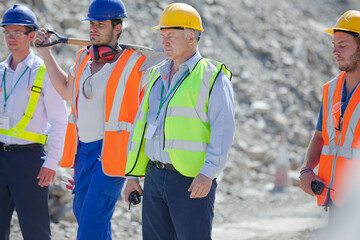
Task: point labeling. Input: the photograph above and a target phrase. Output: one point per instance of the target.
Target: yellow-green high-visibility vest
(186, 128)
(19, 130)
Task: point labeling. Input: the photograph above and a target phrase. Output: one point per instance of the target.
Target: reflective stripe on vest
(187, 109)
(19, 130)
(70, 145)
(187, 135)
(211, 71)
(137, 159)
(349, 153)
(340, 154)
(121, 105)
(198, 111)
(142, 120)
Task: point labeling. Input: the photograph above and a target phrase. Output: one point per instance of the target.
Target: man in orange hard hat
(182, 134)
(335, 145)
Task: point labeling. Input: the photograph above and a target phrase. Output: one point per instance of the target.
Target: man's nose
(336, 51)
(165, 41)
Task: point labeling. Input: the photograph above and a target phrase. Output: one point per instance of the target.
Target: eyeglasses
(87, 88)
(15, 34)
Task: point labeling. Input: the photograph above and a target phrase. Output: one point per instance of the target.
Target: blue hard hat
(19, 15)
(101, 10)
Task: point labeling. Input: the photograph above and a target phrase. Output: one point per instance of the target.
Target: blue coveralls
(95, 193)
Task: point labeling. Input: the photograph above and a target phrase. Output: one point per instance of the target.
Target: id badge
(150, 131)
(4, 122)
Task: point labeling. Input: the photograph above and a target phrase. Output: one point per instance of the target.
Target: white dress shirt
(50, 112)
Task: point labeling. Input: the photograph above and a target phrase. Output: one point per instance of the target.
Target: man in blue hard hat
(28, 103)
(105, 86)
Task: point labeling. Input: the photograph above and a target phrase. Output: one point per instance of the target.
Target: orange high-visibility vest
(340, 155)
(121, 106)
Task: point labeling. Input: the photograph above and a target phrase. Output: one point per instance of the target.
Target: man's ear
(192, 37)
(118, 28)
(31, 35)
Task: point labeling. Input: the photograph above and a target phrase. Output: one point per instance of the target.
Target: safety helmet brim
(100, 19)
(3, 24)
(332, 30)
(179, 27)
(180, 15)
(348, 22)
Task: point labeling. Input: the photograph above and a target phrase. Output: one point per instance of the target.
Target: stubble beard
(105, 40)
(354, 62)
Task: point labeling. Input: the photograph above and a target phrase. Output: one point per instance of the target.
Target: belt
(14, 147)
(165, 166)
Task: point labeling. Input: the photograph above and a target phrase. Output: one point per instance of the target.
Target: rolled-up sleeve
(222, 125)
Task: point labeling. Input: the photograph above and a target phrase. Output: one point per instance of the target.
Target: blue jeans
(168, 211)
(19, 188)
(95, 194)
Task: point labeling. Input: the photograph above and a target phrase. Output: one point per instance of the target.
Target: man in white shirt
(105, 86)
(29, 104)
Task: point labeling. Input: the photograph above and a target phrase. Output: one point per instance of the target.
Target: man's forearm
(313, 153)
(57, 75)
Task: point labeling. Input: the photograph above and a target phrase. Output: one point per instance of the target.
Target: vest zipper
(335, 158)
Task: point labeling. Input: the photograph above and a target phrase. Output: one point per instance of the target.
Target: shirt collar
(28, 61)
(190, 64)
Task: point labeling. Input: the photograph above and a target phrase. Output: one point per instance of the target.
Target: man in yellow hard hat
(335, 146)
(183, 132)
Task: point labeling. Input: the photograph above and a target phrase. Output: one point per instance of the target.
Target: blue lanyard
(6, 97)
(171, 91)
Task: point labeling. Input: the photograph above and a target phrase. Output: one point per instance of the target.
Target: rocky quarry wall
(280, 57)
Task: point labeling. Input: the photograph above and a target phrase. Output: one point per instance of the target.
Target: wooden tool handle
(76, 41)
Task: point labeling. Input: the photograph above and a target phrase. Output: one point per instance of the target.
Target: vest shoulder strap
(80, 57)
(80, 64)
(19, 130)
(154, 72)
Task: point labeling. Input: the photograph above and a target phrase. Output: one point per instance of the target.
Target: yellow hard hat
(349, 21)
(180, 15)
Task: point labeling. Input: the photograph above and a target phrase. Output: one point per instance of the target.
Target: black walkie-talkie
(318, 187)
(134, 198)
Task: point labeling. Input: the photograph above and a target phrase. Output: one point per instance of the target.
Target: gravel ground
(249, 214)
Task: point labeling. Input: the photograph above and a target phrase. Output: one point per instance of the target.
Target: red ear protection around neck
(105, 52)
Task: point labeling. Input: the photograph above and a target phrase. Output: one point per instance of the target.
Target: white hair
(197, 36)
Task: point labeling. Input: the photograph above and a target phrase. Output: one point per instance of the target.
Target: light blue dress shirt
(220, 110)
